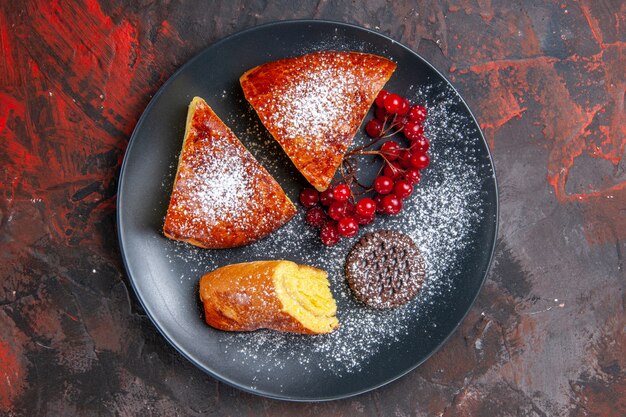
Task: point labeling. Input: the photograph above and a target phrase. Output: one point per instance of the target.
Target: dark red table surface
(546, 80)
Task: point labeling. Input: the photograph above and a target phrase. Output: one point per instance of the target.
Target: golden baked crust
(278, 295)
(314, 104)
(222, 196)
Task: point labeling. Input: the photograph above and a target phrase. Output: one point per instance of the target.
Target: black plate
(452, 216)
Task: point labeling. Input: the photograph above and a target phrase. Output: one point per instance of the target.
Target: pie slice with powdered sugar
(222, 196)
(314, 104)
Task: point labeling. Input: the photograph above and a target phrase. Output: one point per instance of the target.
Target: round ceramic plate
(452, 215)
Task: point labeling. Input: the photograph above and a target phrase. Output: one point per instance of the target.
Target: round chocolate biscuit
(385, 269)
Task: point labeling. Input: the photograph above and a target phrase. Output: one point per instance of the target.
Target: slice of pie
(222, 196)
(314, 104)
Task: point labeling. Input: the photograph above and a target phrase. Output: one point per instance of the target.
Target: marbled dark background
(547, 81)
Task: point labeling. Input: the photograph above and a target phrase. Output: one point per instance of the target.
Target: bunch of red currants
(338, 211)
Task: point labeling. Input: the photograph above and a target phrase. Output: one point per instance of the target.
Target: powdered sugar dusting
(222, 196)
(317, 104)
(440, 217)
(213, 186)
(216, 187)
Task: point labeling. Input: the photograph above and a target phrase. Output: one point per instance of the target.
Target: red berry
(329, 234)
(417, 113)
(347, 227)
(392, 204)
(420, 160)
(383, 185)
(337, 210)
(326, 197)
(404, 107)
(392, 170)
(391, 150)
(309, 197)
(420, 144)
(365, 207)
(403, 189)
(412, 176)
(341, 192)
(405, 159)
(413, 130)
(378, 199)
(315, 217)
(380, 98)
(363, 220)
(393, 102)
(374, 128)
(381, 114)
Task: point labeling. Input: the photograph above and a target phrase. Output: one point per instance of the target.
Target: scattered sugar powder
(211, 188)
(316, 103)
(439, 216)
(218, 186)
(321, 103)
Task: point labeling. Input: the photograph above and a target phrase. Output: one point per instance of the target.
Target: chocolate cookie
(385, 269)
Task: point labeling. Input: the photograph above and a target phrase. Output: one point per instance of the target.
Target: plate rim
(214, 374)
